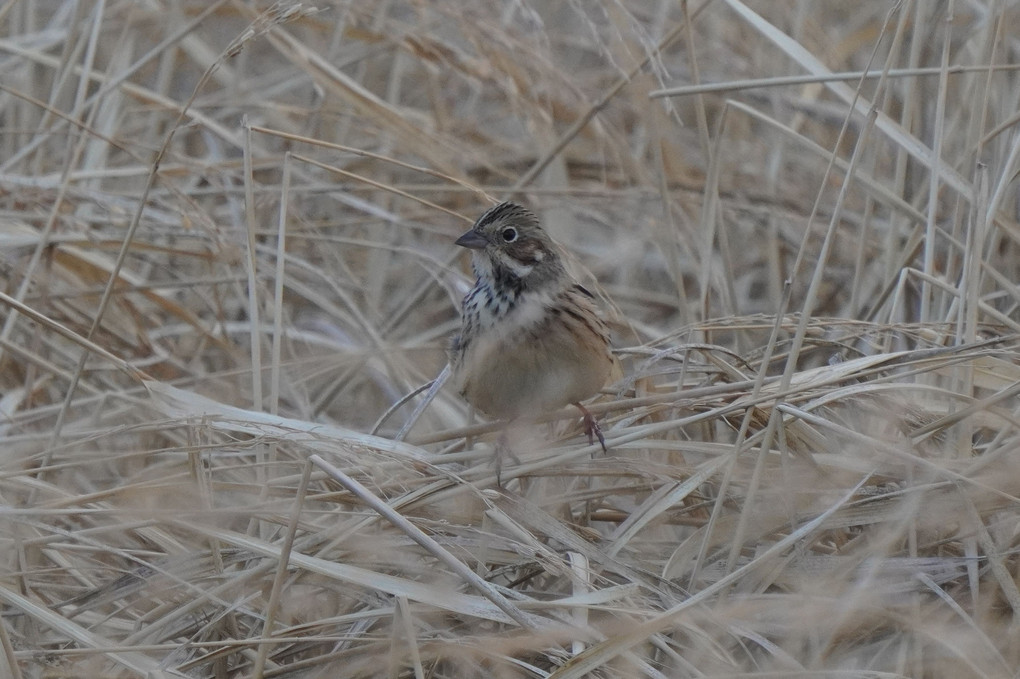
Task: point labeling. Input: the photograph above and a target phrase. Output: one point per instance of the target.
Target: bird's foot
(503, 449)
(592, 428)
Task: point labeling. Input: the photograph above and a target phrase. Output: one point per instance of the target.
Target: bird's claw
(592, 428)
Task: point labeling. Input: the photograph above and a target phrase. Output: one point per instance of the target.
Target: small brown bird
(531, 339)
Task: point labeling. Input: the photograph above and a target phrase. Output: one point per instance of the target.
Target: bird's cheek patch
(529, 253)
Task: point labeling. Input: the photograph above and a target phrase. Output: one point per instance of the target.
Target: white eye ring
(509, 234)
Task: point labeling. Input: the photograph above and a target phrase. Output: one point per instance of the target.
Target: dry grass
(814, 464)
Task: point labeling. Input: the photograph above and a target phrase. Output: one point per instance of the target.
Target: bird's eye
(509, 234)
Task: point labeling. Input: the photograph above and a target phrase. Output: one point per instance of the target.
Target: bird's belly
(535, 374)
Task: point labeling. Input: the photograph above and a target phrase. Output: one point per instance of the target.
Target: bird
(532, 339)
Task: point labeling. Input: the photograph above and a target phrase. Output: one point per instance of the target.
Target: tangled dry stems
(813, 447)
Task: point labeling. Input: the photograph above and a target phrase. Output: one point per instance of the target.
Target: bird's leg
(503, 448)
(591, 427)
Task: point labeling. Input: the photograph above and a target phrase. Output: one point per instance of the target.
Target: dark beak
(472, 240)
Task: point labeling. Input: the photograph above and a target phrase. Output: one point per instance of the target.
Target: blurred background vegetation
(226, 246)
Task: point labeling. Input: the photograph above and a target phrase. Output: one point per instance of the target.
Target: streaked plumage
(532, 340)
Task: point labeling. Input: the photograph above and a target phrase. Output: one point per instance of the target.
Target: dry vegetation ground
(805, 215)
